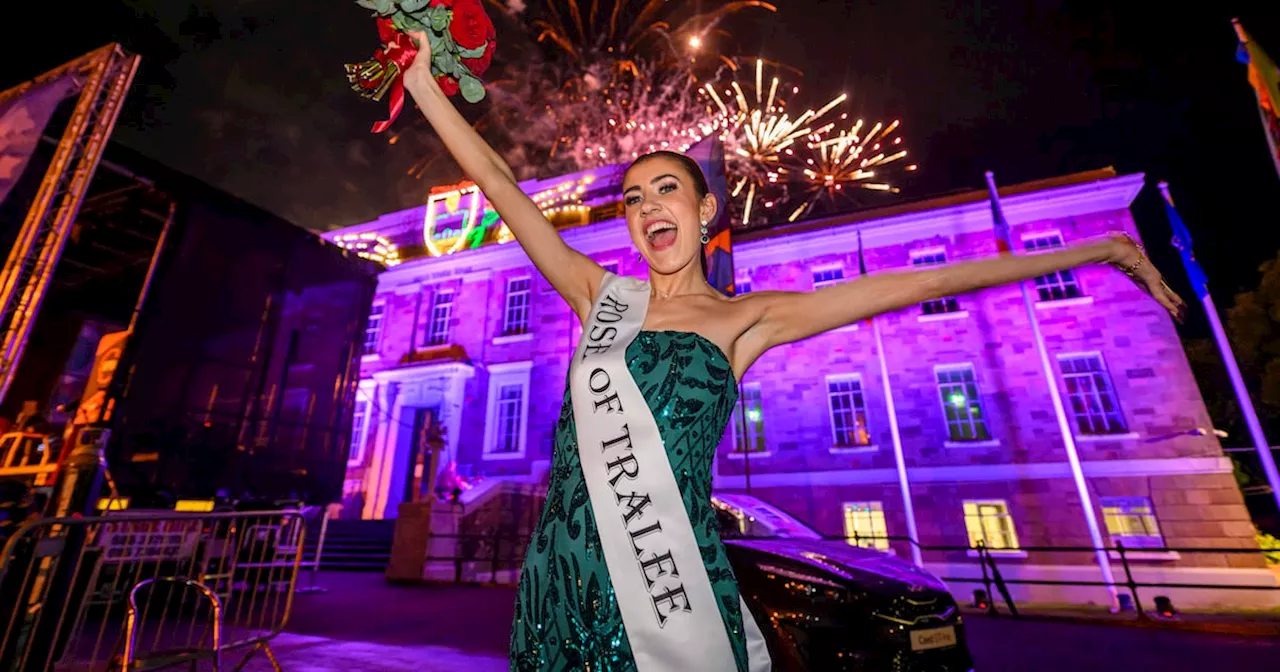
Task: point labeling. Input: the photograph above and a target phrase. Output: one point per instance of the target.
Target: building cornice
(1116, 193)
(837, 234)
(413, 372)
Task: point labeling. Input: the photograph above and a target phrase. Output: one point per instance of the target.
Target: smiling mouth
(660, 234)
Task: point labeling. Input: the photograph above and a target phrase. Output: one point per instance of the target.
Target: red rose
(447, 84)
(471, 27)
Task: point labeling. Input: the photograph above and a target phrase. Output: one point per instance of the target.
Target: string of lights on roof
(371, 246)
(566, 197)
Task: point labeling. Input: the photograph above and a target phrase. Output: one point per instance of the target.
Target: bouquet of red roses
(462, 41)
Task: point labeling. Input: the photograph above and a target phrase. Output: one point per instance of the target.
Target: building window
(961, 404)
(864, 525)
(823, 277)
(437, 332)
(510, 400)
(507, 418)
(1058, 285)
(752, 439)
(1091, 395)
(515, 317)
(359, 417)
(944, 305)
(848, 411)
(373, 330)
(1131, 521)
(610, 267)
(989, 524)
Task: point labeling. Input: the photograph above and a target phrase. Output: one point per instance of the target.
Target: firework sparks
(854, 158)
(627, 30)
(760, 134)
(575, 129)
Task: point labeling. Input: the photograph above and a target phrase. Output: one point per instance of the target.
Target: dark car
(827, 605)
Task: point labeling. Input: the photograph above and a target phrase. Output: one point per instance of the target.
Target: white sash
(668, 607)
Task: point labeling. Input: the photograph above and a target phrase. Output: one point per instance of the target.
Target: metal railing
(494, 559)
(503, 554)
(115, 592)
(990, 561)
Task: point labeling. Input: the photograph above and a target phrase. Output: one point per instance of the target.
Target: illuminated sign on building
(458, 217)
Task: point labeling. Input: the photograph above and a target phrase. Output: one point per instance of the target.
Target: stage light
(980, 599)
(1164, 607)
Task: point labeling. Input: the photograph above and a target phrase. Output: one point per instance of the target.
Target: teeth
(658, 227)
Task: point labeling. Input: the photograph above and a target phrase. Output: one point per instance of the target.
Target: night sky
(250, 96)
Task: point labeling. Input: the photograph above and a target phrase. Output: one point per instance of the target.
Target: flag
(23, 117)
(1182, 241)
(1264, 77)
(1001, 225)
(718, 251)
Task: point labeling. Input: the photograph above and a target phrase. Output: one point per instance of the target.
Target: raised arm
(784, 317)
(571, 273)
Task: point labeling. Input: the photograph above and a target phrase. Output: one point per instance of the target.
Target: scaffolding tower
(102, 78)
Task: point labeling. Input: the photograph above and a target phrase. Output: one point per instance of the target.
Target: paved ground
(361, 623)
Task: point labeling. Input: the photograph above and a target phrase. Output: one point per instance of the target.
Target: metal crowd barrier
(1124, 559)
(495, 559)
(144, 590)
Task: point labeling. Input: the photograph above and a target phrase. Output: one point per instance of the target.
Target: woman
(626, 570)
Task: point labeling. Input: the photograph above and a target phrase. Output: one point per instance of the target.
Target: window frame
(858, 404)
(943, 398)
(1005, 516)
(874, 510)
(509, 374)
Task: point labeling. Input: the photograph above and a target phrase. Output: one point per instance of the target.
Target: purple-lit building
(463, 327)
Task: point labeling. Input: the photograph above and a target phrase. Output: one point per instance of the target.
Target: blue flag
(1182, 241)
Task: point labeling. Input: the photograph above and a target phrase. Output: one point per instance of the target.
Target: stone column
(384, 450)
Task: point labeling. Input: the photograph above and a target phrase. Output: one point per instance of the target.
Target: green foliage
(446, 54)
(1267, 542)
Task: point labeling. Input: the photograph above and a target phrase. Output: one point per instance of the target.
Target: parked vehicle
(827, 605)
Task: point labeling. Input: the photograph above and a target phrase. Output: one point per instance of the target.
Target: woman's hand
(419, 72)
(1129, 257)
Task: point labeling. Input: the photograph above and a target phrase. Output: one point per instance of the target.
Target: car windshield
(742, 516)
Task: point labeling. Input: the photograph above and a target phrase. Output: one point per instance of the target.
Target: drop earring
(705, 238)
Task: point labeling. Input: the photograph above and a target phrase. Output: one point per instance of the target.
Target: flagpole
(899, 458)
(1064, 423)
(1233, 370)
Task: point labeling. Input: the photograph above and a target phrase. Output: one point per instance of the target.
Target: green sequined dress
(566, 615)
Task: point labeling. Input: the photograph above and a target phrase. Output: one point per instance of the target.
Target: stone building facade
(466, 331)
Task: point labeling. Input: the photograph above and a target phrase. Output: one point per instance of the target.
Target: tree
(1253, 327)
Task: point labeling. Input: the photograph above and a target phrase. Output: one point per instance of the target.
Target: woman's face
(665, 214)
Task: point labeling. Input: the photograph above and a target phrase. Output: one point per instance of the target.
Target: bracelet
(1131, 269)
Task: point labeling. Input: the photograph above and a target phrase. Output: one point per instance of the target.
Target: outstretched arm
(784, 317)
(571, 273)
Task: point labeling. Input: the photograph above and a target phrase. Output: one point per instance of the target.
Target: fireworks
(575, 129)
(853, 158)
(626, 31)
(760, 136)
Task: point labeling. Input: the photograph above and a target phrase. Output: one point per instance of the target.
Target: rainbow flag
(718, 251)
(1264, 77)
